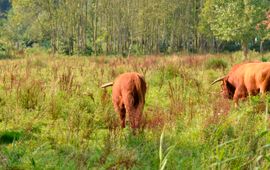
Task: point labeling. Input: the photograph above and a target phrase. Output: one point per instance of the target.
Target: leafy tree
(234, 20)
(266, 24)
(263, 29)
(130, 26)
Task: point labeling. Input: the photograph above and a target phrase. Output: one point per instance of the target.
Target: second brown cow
(246, 79)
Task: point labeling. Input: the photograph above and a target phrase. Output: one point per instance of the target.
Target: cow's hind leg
(120, 109)
(122, 115)
(130, 109)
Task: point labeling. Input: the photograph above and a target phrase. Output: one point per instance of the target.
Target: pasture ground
(53, 115)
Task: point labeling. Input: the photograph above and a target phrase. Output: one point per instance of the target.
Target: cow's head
(227, 88)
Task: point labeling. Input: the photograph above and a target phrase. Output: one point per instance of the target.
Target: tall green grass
(53, 115)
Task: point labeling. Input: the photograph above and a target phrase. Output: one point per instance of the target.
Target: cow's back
(251, 75)
(125, 84)
(256, 72)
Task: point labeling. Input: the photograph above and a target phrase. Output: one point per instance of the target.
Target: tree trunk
(261, 46)
(95, 28)
(261, 49)
(245, 50)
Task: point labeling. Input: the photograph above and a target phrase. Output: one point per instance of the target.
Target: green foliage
(79, 27)
(263, 59)
(5, 51)
(216, 63)
(136, 49)
(7, 137)
(13, 157)
(30, 94)
(36, 49)
(233, 20)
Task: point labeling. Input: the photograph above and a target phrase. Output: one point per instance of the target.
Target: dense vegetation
(136, 26)
(54, 115)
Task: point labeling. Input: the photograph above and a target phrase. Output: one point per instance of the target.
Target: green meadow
(54, 115)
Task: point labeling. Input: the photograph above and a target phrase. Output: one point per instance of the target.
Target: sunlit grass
(55, 116)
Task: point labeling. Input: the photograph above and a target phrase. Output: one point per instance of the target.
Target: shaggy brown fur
(128, 96)
(246, 79)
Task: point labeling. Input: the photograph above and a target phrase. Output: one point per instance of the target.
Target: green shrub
(5, 52)
(30, 94)
(216, 63)
(7, 137)
(36, 49)
(264, 59)
(13, 157)
(171, 71)
(55, 106)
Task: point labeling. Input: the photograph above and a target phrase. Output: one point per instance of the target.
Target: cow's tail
(140, 87)
(107, 85)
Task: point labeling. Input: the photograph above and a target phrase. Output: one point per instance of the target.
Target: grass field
(53, 115)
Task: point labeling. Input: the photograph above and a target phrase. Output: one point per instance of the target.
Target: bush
(7, 137)
(216, 63)
(36, 49)
(30, 94)
(13, 157)
(5, 52)
(136, 49)
(88, 51)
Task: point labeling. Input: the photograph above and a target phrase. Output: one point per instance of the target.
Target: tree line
(126, 27)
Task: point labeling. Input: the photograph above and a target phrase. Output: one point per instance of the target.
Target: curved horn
(217, 80)
(107, 85)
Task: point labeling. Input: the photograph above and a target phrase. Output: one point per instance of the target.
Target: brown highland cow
(246, 79)
(128, 96)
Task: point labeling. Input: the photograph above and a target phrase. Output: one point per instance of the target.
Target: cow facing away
(246, 79)
(128, 96)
